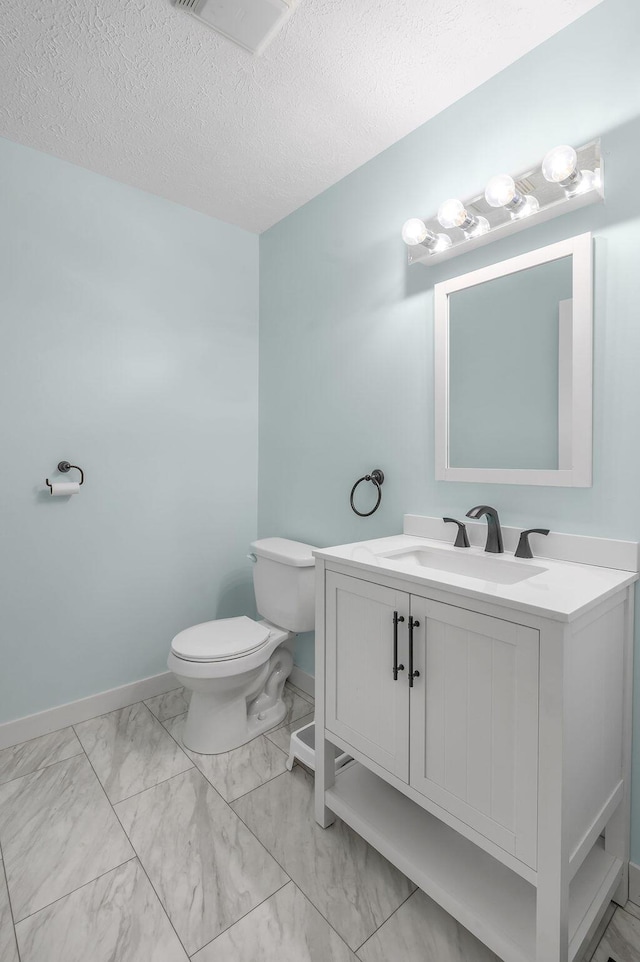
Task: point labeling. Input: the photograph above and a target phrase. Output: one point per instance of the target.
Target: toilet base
(224, 717)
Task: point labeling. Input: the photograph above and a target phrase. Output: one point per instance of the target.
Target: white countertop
(562, 590)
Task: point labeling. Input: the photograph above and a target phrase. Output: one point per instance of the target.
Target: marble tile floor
(118, 845)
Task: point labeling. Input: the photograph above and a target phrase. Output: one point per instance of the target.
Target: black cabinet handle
(412, 674)
(396, 667)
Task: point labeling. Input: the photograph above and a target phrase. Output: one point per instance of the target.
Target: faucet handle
(462, 539)
(524, 548)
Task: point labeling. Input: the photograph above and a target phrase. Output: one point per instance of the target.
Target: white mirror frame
(575, 401)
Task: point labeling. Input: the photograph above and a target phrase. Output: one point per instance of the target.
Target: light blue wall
(346, 340)
(129, 345)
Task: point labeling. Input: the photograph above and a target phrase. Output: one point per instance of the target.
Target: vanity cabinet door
(365, 706)
(474, 722)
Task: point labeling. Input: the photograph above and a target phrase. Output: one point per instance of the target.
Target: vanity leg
(552, 901)
(325, 777)
(617, 834)
(552, 915)
(325, 762)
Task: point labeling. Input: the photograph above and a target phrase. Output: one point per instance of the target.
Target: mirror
(513, 377)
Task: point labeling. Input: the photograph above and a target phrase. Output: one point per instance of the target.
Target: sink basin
(484, 567)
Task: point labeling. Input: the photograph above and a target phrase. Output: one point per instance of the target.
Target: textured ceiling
(139, 91)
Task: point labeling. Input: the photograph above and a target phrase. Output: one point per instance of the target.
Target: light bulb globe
(443, 243)
(500, 190)
(559, 164)
(529, 206)
(452, 213)
(414, 231)
(481, 226)
(586, 182)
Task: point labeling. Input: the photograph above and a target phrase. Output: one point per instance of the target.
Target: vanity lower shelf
(494, 903)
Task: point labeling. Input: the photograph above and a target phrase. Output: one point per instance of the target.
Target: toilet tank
(284, 583)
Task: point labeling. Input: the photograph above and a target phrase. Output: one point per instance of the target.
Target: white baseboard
(303, 680)
(634, 883)
(31, 726)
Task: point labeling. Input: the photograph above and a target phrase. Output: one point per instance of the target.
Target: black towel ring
(377, 478)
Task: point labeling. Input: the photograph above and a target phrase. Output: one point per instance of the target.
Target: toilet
(236, 667)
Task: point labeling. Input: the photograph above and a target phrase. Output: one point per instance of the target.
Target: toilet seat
(224, 639)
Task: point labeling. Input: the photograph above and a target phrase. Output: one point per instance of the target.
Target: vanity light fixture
(560, 166)
(453, 213)
(501, 191)
(565, 180)
(415, 231)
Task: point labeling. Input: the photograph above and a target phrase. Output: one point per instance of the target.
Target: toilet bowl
(236, 668)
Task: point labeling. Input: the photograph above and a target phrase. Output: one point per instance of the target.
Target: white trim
(634, 883)
(303, 680)
(579, 474)
(52, 719)
(565, 384)
(576, 548)
(596, 828)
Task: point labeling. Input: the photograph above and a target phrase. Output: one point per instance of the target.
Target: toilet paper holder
(64, 467)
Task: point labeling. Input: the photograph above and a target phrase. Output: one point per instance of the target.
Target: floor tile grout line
(77, 889)
(137, 855)
(617, 908)
(289, 881)
(231, 925)
(299, 691)
(191, 765)
(12, 919)
(257, 838)
(37, 771)
(286, 874)
(214, 787)
(84, 752)
(169, 717)
(297, 884)
(256, 787)
(330, 924)
(229, 806)
(149, 787)
(177, 775)
(161, 695)
(308, 897)
(404, 902)
(272, 731)
(142, 790)
(48, 765)
(60, 761)
(286, 754)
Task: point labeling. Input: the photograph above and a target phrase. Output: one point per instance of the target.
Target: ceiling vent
(251, 24)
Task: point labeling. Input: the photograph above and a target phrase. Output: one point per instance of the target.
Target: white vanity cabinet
(497, 777)
(465, 735)
(364, 705)
(473, 731)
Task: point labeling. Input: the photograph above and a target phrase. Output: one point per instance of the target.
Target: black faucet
(494, 532)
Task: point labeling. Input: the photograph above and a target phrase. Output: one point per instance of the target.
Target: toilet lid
(220, 640)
